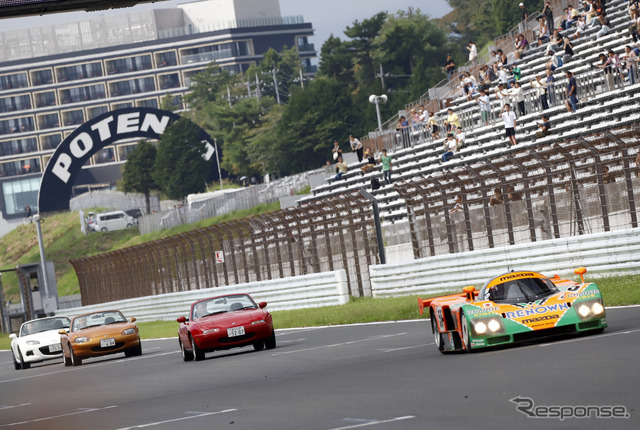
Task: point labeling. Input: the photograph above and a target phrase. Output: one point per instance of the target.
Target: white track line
(82, 411)
(157, 423)
(375, 423)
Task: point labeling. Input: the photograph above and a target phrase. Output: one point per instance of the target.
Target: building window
(18, 194)
(149, 103)
(15, 80)
(130, 64)
(73, 117)
(133, 86)
(47, 98)
(166, 59)
(10, 104)
(41, 77)
(122, 105)
(106, 155)
(80, 94)
(50, 141)
(16, 125)
(79, 71)
(49, 120)
(171, 80)
(18, 146)
(22, 167)
(93, 112)
(124, 151)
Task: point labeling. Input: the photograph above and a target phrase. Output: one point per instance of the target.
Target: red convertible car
(225, 322)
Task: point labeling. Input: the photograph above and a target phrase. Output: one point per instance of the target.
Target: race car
(513, 308)
(37, 340)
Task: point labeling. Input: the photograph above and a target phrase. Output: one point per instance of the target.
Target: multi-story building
(54, 78)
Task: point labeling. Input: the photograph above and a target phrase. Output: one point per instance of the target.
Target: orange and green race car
(513, 308)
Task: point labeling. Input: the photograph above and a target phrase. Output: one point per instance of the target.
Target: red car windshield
(219, 305)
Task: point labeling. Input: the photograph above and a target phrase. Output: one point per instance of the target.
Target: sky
(327, 16)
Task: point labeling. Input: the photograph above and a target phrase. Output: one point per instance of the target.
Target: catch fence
(336, 233)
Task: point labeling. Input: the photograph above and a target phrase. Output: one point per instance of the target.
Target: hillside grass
(63, 241)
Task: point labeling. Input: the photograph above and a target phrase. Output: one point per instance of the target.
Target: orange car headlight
(82, 339)
(129, 331)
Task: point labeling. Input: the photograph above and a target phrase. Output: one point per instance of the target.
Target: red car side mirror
(262, 305)
(181, 319)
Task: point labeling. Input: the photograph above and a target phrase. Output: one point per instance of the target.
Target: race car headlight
(129, 331)
(589, 309)
(258, 322)
(33, 342)
(82, 339)
(487, 326)
(211, 330)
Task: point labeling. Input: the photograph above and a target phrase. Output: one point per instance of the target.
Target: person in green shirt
(385, 160)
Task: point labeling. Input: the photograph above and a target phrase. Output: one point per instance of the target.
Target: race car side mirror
(262, 305)
(13, 336)
(581, 271)
(182, 320)
(132, 320)
(469, 292)
(63, 331)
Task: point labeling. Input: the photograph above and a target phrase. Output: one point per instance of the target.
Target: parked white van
(114, 220)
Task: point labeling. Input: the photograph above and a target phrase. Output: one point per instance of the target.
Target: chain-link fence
(336, 233)
(573, 187)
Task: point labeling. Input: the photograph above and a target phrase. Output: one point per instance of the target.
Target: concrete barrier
(610, 253)
(298, 292)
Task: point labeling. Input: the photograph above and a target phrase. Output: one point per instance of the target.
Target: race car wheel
(22, 362)
(436, 333)
(464, 326)
(103, 229)
(133, 352)
(258, 345)
(67, 360)
(197, 352)
(270, 342)
(75, 361)
(16, 365)
(186, 355)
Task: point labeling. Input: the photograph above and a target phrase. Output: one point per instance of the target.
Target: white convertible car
(38, 340)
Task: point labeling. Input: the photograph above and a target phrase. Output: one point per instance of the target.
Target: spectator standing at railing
(517, 96)
(572, 93)
(550, 85)
(449, 66)
(473, 53)
(605, 64)
(403, 128)
(631, 60)
(509, 118)
(485, 106)
(433, 126)
(387, 165)
(548, 14)
(356, 146)
(337, 152)
(503, 76)
(541, 91)
(524, 15)
(502, 95)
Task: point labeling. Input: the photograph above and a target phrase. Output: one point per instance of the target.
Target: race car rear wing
(425, 303)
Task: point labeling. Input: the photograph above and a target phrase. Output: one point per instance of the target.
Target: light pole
(43, 262)
(376, 100)
(218, 162)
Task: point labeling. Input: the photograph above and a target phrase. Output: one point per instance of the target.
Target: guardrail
(609, 253)
(298, 292)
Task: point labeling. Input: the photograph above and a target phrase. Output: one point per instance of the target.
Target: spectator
(342, 168)
(571, 93)
(513, 195)
(551, 87)
(473, 53)
(452, 120)
(555, 44)
(509, 123)
(337, 152)
(485, 107)
(503, 76)
(502, 95)
(524, 15)
(449, 66)
(415, 119)
(458, 133)
(497, 198)
(356, 146)
(516, 71)
(458, 207)
(544, 127)
(605, 63)
(385, 160)
(590, 12)
(554, 63)
(633, 29)
(605, 26)
(371, 162)
(616, 63)
(27, 211)
(631, 62)
(433, 126)
(548, 14)
(517, 96)
(450, 146)
(633, 9)
(503, 59)
(607, 178)
(403, 128)
(568, 51)
(580, 27)
(543, 31)
(541, 91)
(522, 44)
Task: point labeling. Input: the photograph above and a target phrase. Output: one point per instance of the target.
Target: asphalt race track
(376, 376)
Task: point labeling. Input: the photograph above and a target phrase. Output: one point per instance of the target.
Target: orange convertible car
(97, 334)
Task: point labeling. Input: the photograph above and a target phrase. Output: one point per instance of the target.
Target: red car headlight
(258, 322)
(211, 330)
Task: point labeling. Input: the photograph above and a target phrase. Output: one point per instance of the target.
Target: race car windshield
(522, 290)
(221, 305)
(37, 326)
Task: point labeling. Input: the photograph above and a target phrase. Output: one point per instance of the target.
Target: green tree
(208, 86)
(336, 61)
(362, 35)
(180, 169)
(138, 171)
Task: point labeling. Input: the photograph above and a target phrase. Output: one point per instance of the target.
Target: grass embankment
(64, 241)
(617, 291)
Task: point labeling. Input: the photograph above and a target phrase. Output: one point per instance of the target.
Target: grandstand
(599, 139)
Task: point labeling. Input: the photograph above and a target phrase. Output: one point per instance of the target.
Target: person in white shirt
(485, 106)
(509, 118)
(356, 146)
(473, 53)
(502, 94)
(503, 76)
(517, 95)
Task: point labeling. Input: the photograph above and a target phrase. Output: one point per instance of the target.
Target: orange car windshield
(522, 290)
(98, 319)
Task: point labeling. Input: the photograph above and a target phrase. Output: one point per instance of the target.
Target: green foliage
(137, 175)
(180, 169)
(362, 35)
(337, 60)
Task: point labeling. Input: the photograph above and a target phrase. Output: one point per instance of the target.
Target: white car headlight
(584, 310)
(597, 308)
(481, 328)
(82, 339)
(33, 342)
(494, 325)
(129, 331)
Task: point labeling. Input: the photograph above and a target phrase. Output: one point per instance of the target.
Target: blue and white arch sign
(74, 151)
